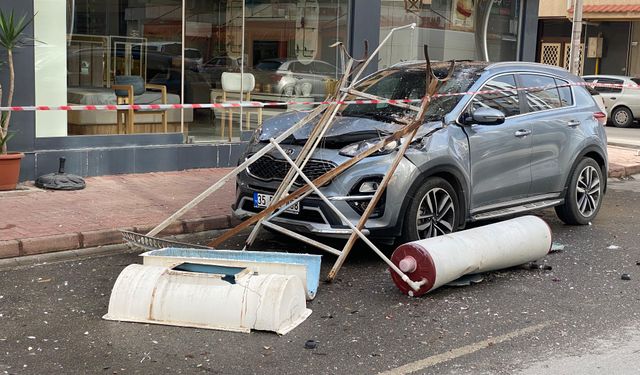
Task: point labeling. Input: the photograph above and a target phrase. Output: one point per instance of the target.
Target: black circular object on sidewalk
(60, 180)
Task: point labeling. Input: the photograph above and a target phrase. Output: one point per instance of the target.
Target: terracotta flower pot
(10, 170)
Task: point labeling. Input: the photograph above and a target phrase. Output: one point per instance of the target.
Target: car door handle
(573, 123)
(613, 98)
(522, 133)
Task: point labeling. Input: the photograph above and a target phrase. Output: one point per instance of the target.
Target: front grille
(267, 168)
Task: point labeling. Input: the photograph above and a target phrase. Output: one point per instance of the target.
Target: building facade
(177, 51)
(611, 34)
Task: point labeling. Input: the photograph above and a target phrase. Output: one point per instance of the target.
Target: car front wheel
(433, 211)
(622, 117)
(584, 196)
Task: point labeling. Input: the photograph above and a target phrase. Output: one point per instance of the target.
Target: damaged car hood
(343, 129)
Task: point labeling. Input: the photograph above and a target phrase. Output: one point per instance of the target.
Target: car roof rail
(525, 64)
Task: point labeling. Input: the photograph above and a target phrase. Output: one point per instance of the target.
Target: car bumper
(317, 217)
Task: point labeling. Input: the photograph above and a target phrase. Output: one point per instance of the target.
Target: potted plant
(11, 37)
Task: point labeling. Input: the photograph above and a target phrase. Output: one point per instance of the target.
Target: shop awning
(609, 12)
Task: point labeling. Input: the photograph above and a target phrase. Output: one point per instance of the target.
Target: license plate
(263, 200)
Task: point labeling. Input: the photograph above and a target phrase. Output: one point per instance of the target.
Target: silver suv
(500, 153)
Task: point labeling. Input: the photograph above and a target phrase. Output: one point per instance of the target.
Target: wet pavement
(515, 320)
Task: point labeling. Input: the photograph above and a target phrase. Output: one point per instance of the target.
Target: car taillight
(601, 117)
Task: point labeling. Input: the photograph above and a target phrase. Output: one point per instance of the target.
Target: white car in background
(622, 104)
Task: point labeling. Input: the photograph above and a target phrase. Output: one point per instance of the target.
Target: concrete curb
(81, 241)
(64, 255)
(620, 171)
(93, 252)
(624, 145)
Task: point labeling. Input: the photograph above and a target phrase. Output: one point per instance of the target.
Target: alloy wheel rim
(436, 214)
(622, 117)
(588, 191)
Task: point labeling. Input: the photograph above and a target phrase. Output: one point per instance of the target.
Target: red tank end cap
(418, 264)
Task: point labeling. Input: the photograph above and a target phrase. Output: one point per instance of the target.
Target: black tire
(448, 214)
(622, 117)
(584, 194)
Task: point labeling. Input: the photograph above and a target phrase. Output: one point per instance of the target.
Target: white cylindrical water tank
(440, 260)
(245, 301)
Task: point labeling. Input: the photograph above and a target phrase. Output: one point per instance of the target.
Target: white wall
(50, 65)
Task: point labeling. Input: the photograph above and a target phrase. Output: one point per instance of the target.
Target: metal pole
(242, 62)
(183, 40)
(313, 114)
(415, 285)
(576, 32)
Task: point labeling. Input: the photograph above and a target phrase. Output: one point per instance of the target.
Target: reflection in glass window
(452, 28)
(505, 99)
(286, 52)
(134, 44)
(541, 92)
(566, 98)
(284, 45)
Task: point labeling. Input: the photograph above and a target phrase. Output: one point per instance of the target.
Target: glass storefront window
(285, 49)
(282, 46)
(453, 29)
(112, 45)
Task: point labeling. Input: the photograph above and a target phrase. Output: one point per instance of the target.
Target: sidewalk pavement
(34, 221)
(623, 161)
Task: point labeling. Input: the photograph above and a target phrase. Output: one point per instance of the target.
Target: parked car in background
(284, 76)
(215, 66)
(498, 154)
(162, 56)
(622, 103)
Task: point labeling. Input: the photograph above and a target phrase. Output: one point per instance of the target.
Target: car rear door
(500, 155)
(555, 121)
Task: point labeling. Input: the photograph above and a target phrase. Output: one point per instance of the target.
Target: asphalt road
(621, 136)
(578, 318)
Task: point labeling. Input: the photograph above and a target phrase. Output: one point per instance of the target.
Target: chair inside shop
(237, 84)
(131, 89)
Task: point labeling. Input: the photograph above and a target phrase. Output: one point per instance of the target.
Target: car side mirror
(487, 116)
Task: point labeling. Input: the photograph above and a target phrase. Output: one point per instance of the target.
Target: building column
(364, 24)
(50, 32)
(529, 31)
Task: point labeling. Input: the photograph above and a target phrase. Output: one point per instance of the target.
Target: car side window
(564, 89)
(322, 68)
(505, 99)
(298, 67)
(611, 90)
(541, 92)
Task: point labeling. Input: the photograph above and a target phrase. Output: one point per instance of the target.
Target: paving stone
(101, 237)
(207, 223)
(9, 249)
(39, 245)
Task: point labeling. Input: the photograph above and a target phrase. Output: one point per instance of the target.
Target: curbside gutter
(81, 241)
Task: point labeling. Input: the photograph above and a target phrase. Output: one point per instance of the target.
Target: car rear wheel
(622, 117)
(584, 196)
(433, 211)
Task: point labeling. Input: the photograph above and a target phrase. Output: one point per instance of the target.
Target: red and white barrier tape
(245, 104)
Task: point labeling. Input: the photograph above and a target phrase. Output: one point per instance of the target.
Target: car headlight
(355, 149)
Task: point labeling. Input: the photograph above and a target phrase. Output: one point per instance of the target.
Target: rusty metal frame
(432, 85)
(282, 199)
(314, 138)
